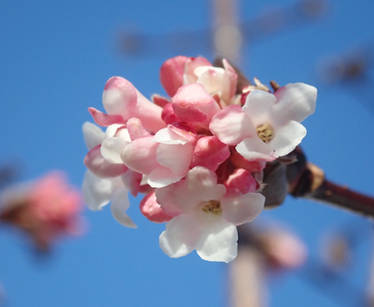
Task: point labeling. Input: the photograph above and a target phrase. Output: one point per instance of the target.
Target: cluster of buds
(198, 156)
(45, 209)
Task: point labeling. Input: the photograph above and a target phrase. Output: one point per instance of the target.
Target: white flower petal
(258, 106)
(218, 241)
(177, 158)
(96, 191)
(172, 135)
(287, 138)
(231, 125)
(199, 186)
(295, 101)
(119, 206)
(115, 141)
(162, 177)
(243, 208)
(92, 135)
(180, 236)
(253, 149)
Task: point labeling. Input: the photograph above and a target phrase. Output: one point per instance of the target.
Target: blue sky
(55, 57)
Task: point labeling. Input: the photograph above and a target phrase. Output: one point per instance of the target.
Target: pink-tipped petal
(193, 104)
(231, 125)
(140, 155)
(100, 167)
(148, 113)
(243, 208)
(168, 114)
(152, 210)
(132, 180)
(166, 156)
(210, 153)
(136, 129)
(119, 97)
(173, 135)
(171, 74)
(239, 161)
(160, 100)
(232, 77)
(103, 119)
(191, 65)
(240, 182)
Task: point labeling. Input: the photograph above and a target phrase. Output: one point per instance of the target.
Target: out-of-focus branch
(247, 278)
(370, 289)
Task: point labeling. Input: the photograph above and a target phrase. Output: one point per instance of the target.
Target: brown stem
(308, 180)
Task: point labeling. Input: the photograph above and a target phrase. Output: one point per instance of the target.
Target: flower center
(212, 207)
(265, 132)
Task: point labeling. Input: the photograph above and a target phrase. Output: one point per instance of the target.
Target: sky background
(55, 57)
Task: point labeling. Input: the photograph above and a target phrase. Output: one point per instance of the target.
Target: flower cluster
(198, 156)
(44, 209)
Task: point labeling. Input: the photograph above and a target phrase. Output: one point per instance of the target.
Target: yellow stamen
(265, 132)
(212, 207)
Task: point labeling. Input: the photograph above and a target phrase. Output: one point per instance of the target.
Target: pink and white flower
(98, 191)
(163, 158)
(206, 218)
(45, 209)
(268, 126)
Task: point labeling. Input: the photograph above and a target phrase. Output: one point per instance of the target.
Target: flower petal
(119, 97)
(243, 208)
(96, 191)
(135, 129)
(231, 125)
(193, 104)
(92, 135)
(184, 196)
(152, 210)
(258, 106)
(218, 241)
(171, 74)
(112, 146)
(296, 101)
(177, 158)
(191, 65)
(180, 236)
(103, 119)
(254, 149)
(240, 181)
(210, 153)
(96, 163)
(148, 113)
(287, 138)
(120, 204)
(140, 155)
(173, 135)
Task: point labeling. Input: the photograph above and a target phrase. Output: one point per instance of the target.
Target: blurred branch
(136, 43)
(247, 278)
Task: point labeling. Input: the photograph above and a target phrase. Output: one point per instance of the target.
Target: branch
(308, 180)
